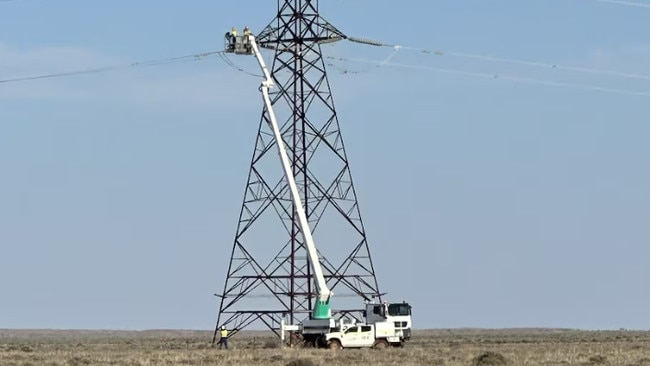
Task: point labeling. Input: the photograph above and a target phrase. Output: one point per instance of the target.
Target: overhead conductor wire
(626, 3)
(440, 53)
(192, 57)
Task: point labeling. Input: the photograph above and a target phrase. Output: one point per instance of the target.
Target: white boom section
(324, 292)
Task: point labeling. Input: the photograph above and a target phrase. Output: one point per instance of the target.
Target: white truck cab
(399, 314)
(378, 335)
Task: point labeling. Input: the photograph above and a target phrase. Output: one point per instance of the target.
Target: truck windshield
(399, 309)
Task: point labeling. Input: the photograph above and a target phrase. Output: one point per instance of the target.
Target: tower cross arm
(321, 32)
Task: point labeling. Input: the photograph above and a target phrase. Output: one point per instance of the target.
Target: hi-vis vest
(224, 333)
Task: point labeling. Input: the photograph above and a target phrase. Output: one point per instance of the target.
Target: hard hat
(223, 327)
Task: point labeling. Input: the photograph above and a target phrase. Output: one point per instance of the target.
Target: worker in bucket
(223, 341)
(233, 36)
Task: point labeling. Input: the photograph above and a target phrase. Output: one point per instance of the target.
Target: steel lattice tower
(269, 277)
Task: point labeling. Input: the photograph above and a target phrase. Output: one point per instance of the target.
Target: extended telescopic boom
(322, 308)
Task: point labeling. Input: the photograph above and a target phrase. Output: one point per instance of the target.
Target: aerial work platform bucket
(238, 44)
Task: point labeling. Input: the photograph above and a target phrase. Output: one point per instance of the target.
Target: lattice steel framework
(269, 277)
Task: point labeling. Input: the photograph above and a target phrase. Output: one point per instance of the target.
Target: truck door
(366, 336)
(351, 337)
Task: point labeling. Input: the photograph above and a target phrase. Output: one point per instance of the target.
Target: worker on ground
(223, 341)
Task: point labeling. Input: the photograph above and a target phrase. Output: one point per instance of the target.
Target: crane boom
(321, 308)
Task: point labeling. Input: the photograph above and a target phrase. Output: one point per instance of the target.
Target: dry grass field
(436, 347)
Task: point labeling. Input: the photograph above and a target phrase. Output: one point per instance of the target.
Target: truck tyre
(334, 344)
(380, 344)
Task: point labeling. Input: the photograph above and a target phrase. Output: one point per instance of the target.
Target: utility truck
(377, 335)
(384, 323)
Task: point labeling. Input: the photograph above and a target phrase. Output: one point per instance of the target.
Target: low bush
(490, 359)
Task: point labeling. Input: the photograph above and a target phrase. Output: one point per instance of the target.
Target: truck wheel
(380, 344)
(334, 344)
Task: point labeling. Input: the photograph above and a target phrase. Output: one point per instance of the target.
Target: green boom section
(321, 309)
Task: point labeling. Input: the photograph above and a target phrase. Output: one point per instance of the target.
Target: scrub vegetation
(466, 347)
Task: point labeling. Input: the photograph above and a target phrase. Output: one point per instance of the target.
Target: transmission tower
(269, 277)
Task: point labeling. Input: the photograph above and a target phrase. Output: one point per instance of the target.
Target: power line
(164, 61)
(501, 77)
(586, 70)
(625, 3)
(378, 63)
(229, 62)
(441, 53)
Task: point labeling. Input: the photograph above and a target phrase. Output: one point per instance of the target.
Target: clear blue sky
(513, 201)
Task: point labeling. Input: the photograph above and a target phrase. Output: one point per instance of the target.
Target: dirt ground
(467, 347)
